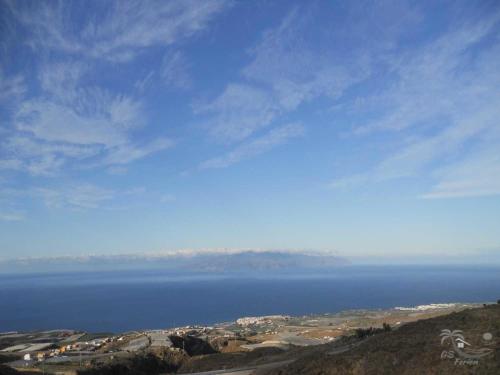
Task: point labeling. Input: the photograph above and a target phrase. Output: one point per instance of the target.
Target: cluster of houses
(42, 351)
(261, 320)
(190, 330)
(72, 346)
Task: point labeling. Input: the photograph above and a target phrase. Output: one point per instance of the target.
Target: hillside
(415, 348)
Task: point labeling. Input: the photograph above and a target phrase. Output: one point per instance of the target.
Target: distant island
(182, 261)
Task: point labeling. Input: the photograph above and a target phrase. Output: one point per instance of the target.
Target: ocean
(131, 300)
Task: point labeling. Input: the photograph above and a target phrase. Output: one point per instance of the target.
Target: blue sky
(364, 128)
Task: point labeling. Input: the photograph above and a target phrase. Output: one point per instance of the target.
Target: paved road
(345, 348)
(249, 370)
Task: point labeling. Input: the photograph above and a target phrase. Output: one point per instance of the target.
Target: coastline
(246, 334)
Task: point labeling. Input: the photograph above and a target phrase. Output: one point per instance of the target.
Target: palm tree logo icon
(461, 347)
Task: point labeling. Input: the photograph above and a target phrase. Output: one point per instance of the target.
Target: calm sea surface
(121, 301)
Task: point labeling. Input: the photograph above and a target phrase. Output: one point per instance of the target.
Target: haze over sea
(129, 300)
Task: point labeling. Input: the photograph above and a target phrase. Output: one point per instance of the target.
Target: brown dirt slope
(415, 348)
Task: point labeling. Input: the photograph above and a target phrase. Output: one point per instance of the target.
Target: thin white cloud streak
(11, 88)
(117, 170)
(12, 164)
(41, 158)
(257, 146)
(128, 153)
(174, 71)
(144, 83)
(55, 123)
(238, 112)
(81, 196)
(11, 216)
(168, 198)
(475, 175)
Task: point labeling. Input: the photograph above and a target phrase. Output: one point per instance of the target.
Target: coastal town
(69, 351)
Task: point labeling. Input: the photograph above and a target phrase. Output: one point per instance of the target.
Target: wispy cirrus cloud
(73, 120)
(49, 134)
(439, 78)
(287, 69)
(443, 103)
(295, 69)
(275, 137)
(60, 80)
(115, 30)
